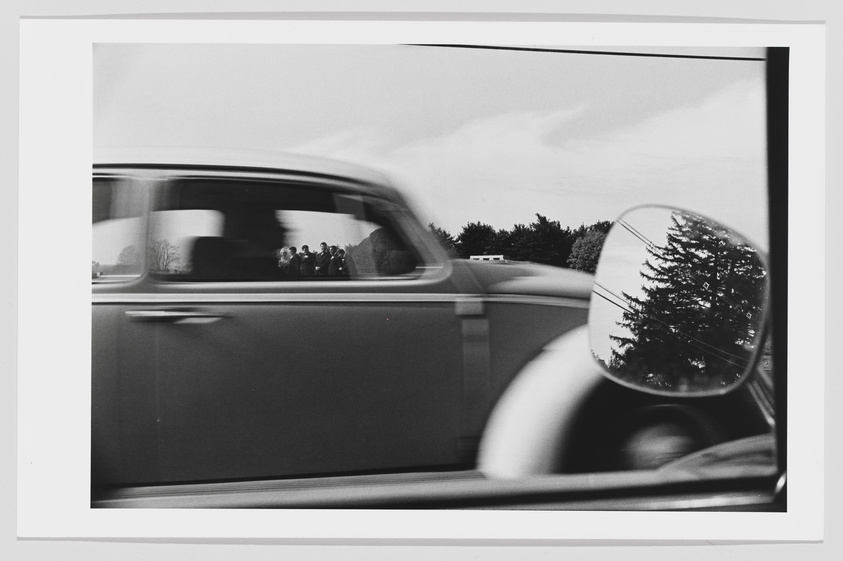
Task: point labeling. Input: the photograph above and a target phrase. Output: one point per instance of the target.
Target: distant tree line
(543, 241)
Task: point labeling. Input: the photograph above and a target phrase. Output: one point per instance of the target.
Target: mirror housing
(679, 304)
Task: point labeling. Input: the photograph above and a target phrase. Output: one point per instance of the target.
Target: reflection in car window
(217, 230)
(118, 229)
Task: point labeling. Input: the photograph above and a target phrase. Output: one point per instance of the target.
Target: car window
(223, 230)
(118, 229)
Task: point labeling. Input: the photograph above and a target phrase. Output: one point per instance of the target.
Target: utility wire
(667, 328)
(659, 253)
(586, 52)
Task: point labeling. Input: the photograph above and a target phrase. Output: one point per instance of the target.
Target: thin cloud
(505, 168)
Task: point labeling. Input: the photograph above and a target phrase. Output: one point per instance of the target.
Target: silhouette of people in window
(336, 268)
(308, 262)
(323, 258)
(294, 269)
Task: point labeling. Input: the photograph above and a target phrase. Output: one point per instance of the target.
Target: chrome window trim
(369, 297)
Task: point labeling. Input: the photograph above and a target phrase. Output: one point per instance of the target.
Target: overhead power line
(586, 52)
(695, 342)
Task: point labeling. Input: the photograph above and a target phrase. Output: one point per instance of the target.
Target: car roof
(181, 157)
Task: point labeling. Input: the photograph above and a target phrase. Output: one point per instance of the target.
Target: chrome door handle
(175, 316)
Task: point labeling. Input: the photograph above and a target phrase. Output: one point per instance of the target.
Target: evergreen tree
(518, 242)
(549, 242)
(586, 251)
(444, 237)
(601, 226)
(543, 241)
(476, 238)
(695, 323)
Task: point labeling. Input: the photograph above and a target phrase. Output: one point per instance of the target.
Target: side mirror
(678, 305)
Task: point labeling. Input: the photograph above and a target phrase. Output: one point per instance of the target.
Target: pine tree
(694, 326)
(549, 242)
(476, 238)
(444, 237)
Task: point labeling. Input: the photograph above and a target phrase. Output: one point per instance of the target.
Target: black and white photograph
(437, 276)
(373, 267)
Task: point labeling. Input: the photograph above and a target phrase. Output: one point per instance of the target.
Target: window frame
(143, 236)
(431, 261)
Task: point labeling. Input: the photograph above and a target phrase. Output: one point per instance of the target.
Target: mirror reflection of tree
(695, 325)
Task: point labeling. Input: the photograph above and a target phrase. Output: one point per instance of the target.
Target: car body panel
(231, 380)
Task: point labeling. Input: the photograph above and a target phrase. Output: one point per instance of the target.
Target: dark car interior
(255, 229)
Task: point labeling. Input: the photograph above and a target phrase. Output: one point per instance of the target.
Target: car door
(123, 437)
(254, 373)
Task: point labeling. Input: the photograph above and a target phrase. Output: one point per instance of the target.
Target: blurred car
(214, 361)
(226, 375)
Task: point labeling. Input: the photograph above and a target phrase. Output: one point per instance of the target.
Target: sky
(622, 262)
(466, 134)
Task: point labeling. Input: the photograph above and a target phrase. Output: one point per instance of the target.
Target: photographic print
(367, 286)
(325, 268)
